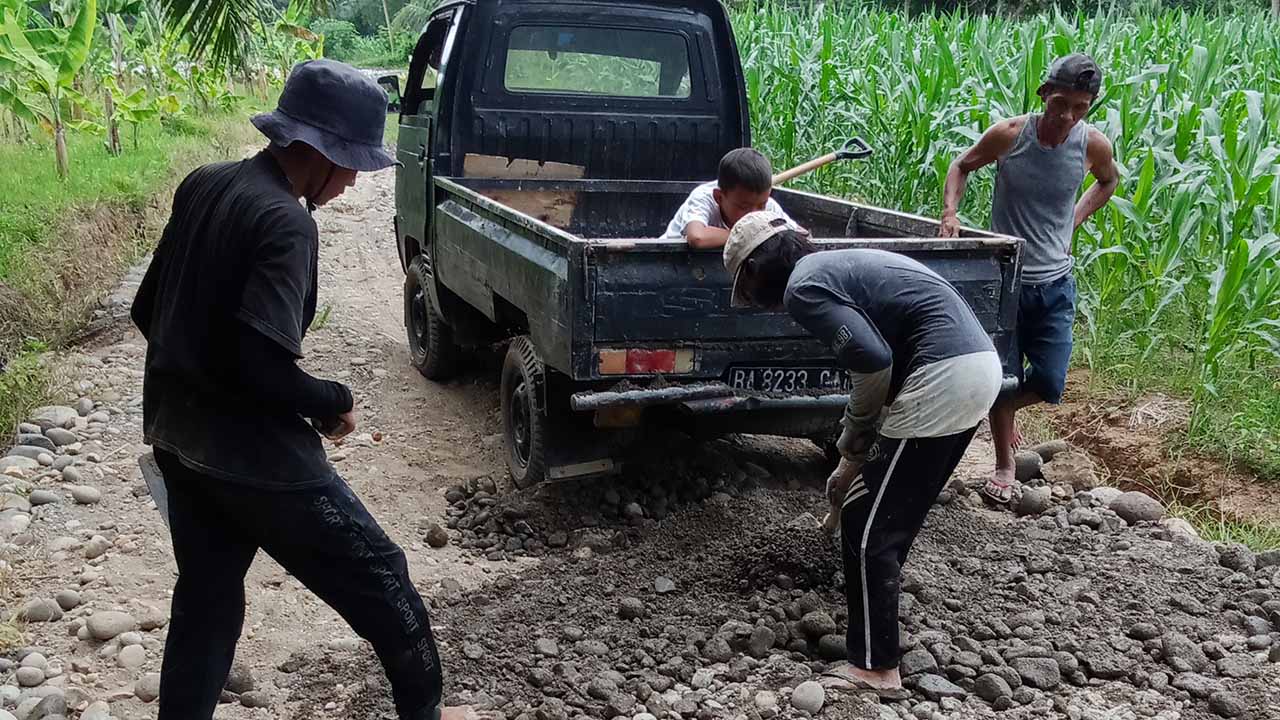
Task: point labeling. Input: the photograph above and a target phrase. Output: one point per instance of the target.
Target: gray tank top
(1035, 199)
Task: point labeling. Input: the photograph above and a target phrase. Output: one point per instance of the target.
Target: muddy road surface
(696, 585)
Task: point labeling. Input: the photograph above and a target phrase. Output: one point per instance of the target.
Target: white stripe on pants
(862, 554)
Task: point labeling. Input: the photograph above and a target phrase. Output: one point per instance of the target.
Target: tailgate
(648, 292)
(654, 291)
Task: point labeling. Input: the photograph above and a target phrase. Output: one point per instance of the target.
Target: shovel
(855, 149)
(155, 483)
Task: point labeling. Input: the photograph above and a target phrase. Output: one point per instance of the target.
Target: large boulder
(1136, 507)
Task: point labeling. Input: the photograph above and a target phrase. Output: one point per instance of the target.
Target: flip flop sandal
(838, 681)
(998, 492)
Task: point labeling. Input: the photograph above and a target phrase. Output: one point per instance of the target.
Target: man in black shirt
(224, 307)
(917, 355)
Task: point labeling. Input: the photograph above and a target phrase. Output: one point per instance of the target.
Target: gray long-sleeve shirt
(887, 318)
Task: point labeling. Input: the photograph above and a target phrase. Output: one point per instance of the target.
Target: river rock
(61, 437)
(1197, 685)
(816, 624)
(1237, 557)
(67, 599)
(631, 608)
(86, 494)
(1136, 507)
(1040, 673)
(809, 696)
(51, 707)
(1181, 654)
(1034, 501)
(240, 679)
(1104, 495)
(437, 537)
(84, 406)
(917, 661)
(1226, 704)
(255, 699)
(97, 711)
(37, 440)
(1027, 466)
(663, 585)
(992, 687)
(1051, 449)
(14, 501)
(40, 610)
(133, 656)
(1072, 468)
(17, 462)
(29, 676)
(96, 547)
(108, 624)
(936, 687)
(833, 648)
(54, 416)
(147, 689)
(44, 497)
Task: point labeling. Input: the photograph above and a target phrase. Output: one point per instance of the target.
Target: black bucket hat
(335, 109)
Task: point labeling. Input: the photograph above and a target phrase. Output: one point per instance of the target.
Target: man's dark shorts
(1041, 350)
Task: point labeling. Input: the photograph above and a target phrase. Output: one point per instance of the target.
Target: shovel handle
(855, 149)
(808, 167)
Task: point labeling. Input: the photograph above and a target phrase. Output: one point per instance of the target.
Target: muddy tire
(431, 347)
(524, 419)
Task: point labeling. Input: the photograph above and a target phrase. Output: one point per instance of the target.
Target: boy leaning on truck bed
(743, 185)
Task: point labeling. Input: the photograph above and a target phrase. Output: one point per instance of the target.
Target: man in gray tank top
(1042, 160)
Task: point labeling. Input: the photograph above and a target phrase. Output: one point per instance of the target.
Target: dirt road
(693, 586)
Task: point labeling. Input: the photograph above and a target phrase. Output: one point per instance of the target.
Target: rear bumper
(717, 397)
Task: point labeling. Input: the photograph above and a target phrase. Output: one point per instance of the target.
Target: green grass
(38, 236)
(36, 202)
(25, 383)
(1214, 526)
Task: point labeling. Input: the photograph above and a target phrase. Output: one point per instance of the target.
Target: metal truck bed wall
(609, 290)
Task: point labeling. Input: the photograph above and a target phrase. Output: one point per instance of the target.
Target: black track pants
(325, 538)
(883, 512)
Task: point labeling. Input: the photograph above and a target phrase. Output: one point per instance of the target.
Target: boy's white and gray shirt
(701, 206)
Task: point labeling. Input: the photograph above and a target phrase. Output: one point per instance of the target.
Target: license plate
(786, 380)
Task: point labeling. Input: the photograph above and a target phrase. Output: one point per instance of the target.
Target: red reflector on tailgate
(643, 362)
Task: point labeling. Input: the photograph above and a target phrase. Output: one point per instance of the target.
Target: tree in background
(47, 57)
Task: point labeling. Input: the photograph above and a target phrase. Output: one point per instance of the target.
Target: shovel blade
(155, 484)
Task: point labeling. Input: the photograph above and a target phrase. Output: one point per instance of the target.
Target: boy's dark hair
(747, 169)
(771, 265)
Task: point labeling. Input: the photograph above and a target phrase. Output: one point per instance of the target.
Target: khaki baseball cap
(748, 234)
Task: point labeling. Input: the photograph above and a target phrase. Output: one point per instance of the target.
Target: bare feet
(885, 683)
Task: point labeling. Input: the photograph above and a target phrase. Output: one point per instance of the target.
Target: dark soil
(982, 590)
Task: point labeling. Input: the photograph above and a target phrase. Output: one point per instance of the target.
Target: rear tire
(431, 347)
(524, 417)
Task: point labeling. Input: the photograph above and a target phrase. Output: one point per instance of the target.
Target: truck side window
(424, 70)
(597, 61)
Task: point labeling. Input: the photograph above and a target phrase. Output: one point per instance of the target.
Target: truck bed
(616, 284)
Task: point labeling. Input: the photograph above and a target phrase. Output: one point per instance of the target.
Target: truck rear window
(597, 61)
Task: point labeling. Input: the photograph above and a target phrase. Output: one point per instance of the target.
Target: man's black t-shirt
(239, 252)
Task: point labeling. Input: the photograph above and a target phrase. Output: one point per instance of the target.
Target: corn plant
(1182, 263)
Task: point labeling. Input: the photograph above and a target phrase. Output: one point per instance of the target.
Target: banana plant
(48, 61)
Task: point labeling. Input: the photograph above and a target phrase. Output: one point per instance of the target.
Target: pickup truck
(544, 146)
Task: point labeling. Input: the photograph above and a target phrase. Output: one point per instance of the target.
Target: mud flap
(577, 452)
(155, 484)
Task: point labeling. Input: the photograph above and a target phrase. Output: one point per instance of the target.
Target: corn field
(1179, 270)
